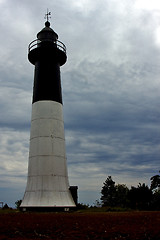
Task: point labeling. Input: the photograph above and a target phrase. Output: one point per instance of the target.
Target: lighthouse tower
(47, 183)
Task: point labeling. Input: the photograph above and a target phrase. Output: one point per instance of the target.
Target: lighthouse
(47, 183)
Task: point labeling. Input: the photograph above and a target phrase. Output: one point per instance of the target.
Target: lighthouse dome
(47, 33)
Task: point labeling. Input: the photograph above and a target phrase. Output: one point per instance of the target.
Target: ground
(80, 225)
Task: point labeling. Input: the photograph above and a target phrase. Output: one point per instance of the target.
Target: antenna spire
(47, 15)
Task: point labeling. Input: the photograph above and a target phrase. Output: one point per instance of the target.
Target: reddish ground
(101, 226)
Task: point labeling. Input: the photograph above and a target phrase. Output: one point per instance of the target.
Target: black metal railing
(36, 43)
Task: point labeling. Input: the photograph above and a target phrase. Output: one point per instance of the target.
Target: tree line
(115, 195)
(141, 197)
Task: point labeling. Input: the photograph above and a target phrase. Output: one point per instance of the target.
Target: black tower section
(47, 54)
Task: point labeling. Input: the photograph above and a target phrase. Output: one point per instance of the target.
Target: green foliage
(81, 206)
(155, 182)
(18, 203)
(156, 200)
(140, 197)
(108, 192)
(114, 195)
(121, 195)
(5, 206)
(155, 187)
(97, 204)
(120, 198)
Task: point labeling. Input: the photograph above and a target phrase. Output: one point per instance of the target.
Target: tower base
(47, 209)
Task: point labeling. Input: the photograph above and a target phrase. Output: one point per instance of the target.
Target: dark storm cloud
(116, 125)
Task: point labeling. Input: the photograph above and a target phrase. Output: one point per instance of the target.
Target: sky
(110, 87)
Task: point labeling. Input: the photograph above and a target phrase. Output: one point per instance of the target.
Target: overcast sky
(111, 91)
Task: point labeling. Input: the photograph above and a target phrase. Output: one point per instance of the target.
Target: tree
(18, 203)
(121, 195)
(5, 206)
(108, 192)
(155, 187)
(155, 182)
(140, 197)
(156, 200)
(97, 204)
